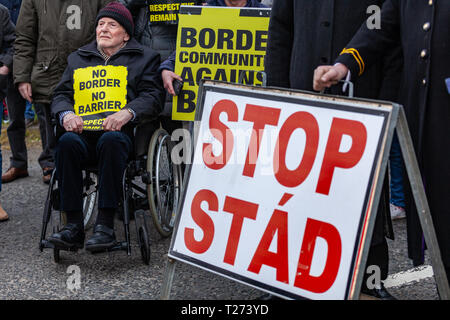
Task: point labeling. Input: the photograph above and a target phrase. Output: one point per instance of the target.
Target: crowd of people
(311, 45)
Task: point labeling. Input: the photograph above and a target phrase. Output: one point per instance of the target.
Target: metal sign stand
(423, 210)
(421, 202)
(420, 199)
(168, 278)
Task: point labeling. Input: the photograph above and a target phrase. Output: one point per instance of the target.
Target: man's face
(110, 34)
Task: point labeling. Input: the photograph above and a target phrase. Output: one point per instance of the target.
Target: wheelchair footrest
(117, 247)
(45, 244)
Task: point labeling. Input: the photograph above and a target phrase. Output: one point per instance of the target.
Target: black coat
(7, 37)
(144, 84)
(304, 34)
(423, 29)
(13, 8)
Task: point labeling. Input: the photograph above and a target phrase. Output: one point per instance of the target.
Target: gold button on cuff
(426, 26)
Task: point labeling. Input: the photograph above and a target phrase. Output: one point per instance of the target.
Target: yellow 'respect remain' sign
(99, 92)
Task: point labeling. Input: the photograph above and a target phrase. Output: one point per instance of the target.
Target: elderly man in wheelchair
(107, 87)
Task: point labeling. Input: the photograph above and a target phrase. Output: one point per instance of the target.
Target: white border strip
(406, 277)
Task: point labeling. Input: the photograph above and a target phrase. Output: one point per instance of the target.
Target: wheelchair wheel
(47, 216)
(165, 183)
(89, 200)
(56, 256)
(53, 221)
(145, 245)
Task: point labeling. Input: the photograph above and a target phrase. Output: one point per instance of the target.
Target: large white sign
(278, 194)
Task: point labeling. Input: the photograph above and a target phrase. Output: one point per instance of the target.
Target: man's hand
(4, 70)
(73, 123)
(326, 76)
(168, 77)
(25, 91)
(116, 121)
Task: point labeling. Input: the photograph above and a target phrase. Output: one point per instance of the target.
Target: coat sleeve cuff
(7, 60)
(61, 116)
(133, 113)
(19, 79)
(352, 60)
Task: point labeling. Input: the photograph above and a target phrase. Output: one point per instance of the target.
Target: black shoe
(102, 239)
(70, 237)
(381, 293)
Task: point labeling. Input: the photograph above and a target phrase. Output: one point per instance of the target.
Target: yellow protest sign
(166, 11)
(98, 92)
(218, 43)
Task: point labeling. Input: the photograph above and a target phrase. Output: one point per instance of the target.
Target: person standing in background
(161, 37)
(14, 8)
(16, 109)
(422, 28)
(304, 34)
(396, 174)
(6, 57)
(46, 33)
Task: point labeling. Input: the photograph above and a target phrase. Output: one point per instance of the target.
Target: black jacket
(304, 34)
(7, 37)
(6, 48)
(422, 27)
(144, 85)
(13, 7)
(161, 38)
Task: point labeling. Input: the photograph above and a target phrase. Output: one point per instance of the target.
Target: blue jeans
(396, 172)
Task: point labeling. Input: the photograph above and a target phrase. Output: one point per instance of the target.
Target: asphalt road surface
(26, 273)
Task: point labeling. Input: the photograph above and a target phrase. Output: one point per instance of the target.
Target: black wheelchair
(151, 185)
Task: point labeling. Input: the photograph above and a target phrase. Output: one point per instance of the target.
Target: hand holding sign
(99, 92)
(116, 121)
(326, 76)
(168, 77)
(73, 123)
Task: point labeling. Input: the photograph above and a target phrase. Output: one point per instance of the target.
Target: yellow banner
(218, 43)
(166, 11)
(98, 92)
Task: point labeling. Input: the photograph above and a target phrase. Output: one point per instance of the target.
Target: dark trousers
(16, 129)
(109, 150)
(3, 89)
(379, 251)
(48, 139)
(378, 256)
